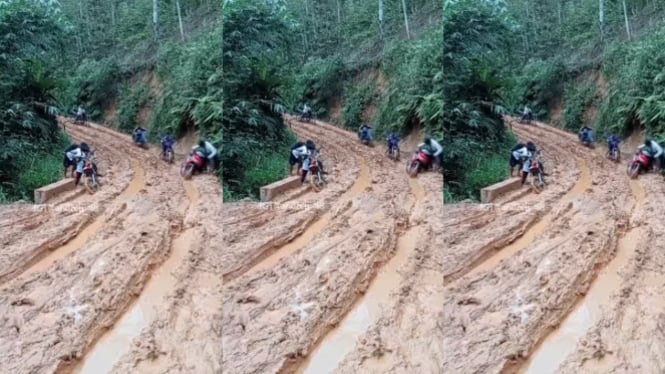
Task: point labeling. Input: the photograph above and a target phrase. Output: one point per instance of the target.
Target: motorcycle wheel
(633, 170)
(90, 184)
(169, 157)
(317, 181)
(413, 168)
(187, 170)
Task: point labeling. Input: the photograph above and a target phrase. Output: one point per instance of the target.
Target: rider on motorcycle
(519, 154)
(527, 113)
(655, 151)
(167, 143)
(393, 141)
(612, 143)
(306, 111)
(80, 114)
(139, 135)
(586, 134)
(209, 151)
(432, 148)
(365, 132)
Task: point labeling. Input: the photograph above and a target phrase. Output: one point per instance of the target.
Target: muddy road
(346, 280)
(126, 280)
(566, 281)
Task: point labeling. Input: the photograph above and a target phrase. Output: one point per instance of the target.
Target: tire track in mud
(529, 291)
(275, 316)
(93, 285)
(339, 341)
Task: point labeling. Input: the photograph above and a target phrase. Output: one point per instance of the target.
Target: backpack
(518, 146)
(71, 148)
(297, 145)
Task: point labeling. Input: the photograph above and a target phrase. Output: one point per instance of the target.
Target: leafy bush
(577, 100)
(94, 84)
(28, 127)
(132, 99)
(357, 97)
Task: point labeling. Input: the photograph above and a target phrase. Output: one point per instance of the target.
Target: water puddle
(342, 339)
(117, 341)
(136, 184)
(582, 184)
(563, 341)
(361, 183)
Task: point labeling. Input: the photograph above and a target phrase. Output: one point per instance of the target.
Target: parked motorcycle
(195, 162)
(419, 162)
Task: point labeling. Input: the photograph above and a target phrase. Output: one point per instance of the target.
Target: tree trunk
(406, 20)
(625, 16)
(601, 18)
(339, 11)
(381, 18)
(182, 30)
(155, 18)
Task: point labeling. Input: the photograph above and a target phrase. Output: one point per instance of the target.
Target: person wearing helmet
(209, 151)
(655, 150)
(432, 148)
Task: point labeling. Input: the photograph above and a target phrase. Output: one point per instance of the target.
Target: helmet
(648, 140)
(85, 147)
(310, 144)
(202, 143)
(428, 141)
(530, 146)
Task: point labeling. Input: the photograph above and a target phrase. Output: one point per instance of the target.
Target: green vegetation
(337, 56)
(29, 51)
(593, 62)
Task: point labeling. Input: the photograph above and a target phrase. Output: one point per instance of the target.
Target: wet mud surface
(125, 280)
(565, 281)
(312, 278)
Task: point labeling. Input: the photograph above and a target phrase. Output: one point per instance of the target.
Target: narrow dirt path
(299, 266)
(84, 262)
(537, 258)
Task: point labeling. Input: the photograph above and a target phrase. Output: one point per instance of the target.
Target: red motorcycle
(641, 162)
(195, 162)
(419, 161)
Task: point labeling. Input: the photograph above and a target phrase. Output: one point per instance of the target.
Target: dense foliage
(256, 45)
(30, 48)
(595, 62)
(474, 35)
